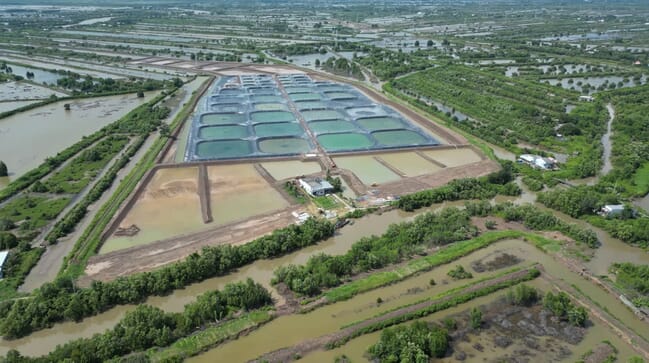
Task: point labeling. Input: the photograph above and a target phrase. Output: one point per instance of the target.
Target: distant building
(3, 259)
(316, 186)
(586, 98)
(538, 162)
(611, 210)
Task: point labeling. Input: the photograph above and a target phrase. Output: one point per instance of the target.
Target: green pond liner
(224, 149)
(223, 132)
(228, 107)
(329, 126)
(222, 118)
(272, 116)
(268, 106)
(321, 115)
(340, 96)
(399, 138)
(380, 123)
(305, 105)
(305, 97)
(266, 98)
(285, 145)
(278, 129)
(345, 141)
(292, 89)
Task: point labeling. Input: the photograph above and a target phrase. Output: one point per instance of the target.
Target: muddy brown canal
(288, 330)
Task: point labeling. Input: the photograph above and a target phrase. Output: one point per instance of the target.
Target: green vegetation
(458, 189)
(400, 241)
(209, 337)
(20, 261)
(561, 306)
(325, 202)
(444, 304)
(343, 67)
(475, 318)
(3, 169)
(585, 201)
(522, 295)
(76, 214)
(295, 191)
(459, 273)
(634, 279)
(84, 168)
(52, 301)
(509, 110)
(418, 342)
(533, 218)
(147, 326)
(324, 271)
(32, 212)
(630, 139)
(99, 86)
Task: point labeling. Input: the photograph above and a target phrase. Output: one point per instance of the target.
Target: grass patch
(326, 202)
(208, 338)
(85, 167)
(295, 192)
(24, 262)
(639, 183)
(33, 212)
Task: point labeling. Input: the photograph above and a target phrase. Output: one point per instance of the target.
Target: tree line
(148, 326)
(62, 301)
(398, 242)
(469, 188)
(585, 201)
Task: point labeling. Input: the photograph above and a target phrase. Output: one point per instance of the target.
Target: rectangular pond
(367, 169)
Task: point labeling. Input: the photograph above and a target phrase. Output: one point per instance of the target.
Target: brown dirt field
(149, 257)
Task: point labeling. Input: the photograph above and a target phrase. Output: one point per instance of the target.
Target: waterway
(291, 329)
(606, 141)
(27, 138)
(287, 330)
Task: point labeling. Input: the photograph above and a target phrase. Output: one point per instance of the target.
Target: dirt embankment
(301, 349)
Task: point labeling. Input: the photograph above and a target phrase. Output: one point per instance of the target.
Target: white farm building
(316, 186)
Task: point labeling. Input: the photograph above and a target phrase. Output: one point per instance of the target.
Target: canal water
(27, 138)
(291, 329)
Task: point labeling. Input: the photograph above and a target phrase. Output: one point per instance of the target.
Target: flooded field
(168, 207)
(356, 349)
(51, 129)
(59, 67)
(12, 105)
(238, 192)
(16, 91)
(367, 169)
(40, 76)
(281, 170)
(287, 330)
(596, 83)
